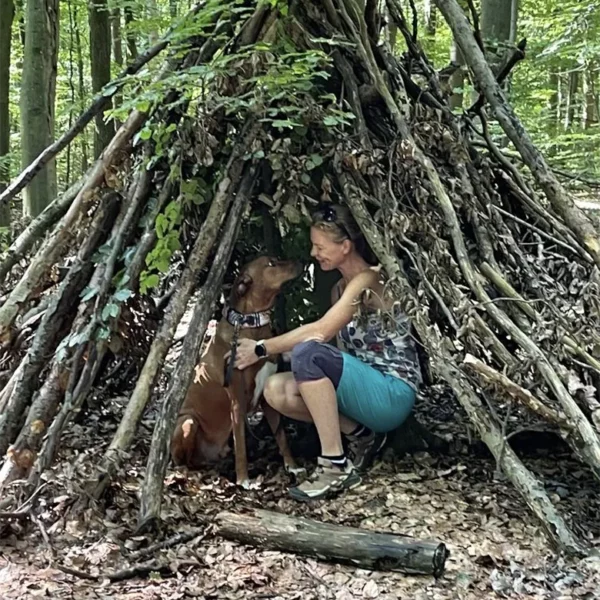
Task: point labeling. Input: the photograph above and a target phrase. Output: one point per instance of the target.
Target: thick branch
(516, 391)
(36, 229)
(160, 346)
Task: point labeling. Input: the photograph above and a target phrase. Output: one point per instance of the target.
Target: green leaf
(103, 333)
(148, 282)
(110, 90)
(316, 159)
(89, 293)
(145, 134)
(110, 310)
(143, 106)
(123, 295)
(330, 121)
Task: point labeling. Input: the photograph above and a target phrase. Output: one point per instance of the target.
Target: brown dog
(210, 410)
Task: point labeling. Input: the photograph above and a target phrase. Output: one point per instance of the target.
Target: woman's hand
(245, 355)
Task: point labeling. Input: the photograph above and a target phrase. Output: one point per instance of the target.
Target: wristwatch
(260, 349)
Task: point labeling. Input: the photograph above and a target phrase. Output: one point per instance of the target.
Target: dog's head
(260, 281)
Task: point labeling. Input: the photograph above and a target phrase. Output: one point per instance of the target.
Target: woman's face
(326, 251)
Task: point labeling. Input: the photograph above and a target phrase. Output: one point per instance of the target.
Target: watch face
(260, 350)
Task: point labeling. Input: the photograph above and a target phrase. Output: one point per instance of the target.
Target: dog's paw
(245, 484)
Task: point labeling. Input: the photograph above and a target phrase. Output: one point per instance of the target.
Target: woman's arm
(339, 315)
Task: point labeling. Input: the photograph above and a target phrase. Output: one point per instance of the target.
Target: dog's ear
(242, 285)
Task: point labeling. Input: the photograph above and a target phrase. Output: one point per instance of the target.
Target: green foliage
(562, 39)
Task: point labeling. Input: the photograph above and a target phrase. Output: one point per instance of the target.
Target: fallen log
(336, 543)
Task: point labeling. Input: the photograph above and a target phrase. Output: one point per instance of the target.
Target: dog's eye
(272, 263)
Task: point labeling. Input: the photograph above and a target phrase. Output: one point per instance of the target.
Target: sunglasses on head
(328, 214)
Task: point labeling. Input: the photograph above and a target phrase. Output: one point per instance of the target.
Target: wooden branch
(516, 391)
(574, 217)
(162, 340)
(517, 56)
(57, 316)
(538, 231)
(476, 27)
(80, 384)
(337, 543)
(505, 287)
(102, 100)
(36, 229)
(54, 245)
(152, 487)
(128, 573)
(531, 490)
(7, 516)
(175, 540)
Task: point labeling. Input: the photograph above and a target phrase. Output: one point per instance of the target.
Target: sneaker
(364, 449)
(326, 481)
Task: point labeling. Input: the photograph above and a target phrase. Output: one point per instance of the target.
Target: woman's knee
(274, 391)
(313, 360)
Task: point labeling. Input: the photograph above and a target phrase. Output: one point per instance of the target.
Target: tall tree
(572, 91)
(100, 50)
(498, 20)
(590, 105)
(38, 90)
(7, 13)
(82, 99)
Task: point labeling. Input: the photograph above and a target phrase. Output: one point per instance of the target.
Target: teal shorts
(380, 402)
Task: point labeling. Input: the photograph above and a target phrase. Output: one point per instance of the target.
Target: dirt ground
(497, 550)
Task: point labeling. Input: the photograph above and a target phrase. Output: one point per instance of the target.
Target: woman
(362, 390)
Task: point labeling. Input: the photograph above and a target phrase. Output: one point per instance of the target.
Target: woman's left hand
(245, 355)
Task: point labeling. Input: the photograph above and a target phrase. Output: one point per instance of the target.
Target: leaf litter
(497, 549)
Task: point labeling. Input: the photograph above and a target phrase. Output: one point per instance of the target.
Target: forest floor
(497, 549)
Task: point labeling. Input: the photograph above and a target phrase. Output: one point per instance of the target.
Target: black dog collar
(247, 320)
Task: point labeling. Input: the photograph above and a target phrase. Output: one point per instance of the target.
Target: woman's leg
(281, 393)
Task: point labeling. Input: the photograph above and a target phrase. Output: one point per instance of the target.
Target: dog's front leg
(238, 420)
(274, 421)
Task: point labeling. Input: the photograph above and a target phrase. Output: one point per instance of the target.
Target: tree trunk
(81, 88)
(132, 51)
(496, 28)
(430, 18)
(590, 105)
(514, 19)
(7, 13)
(571, 107)
(496, 20)
(457, 79)
(37, 99)
(553, 106)
(336, 543)
(100, 50)
(117, 48)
